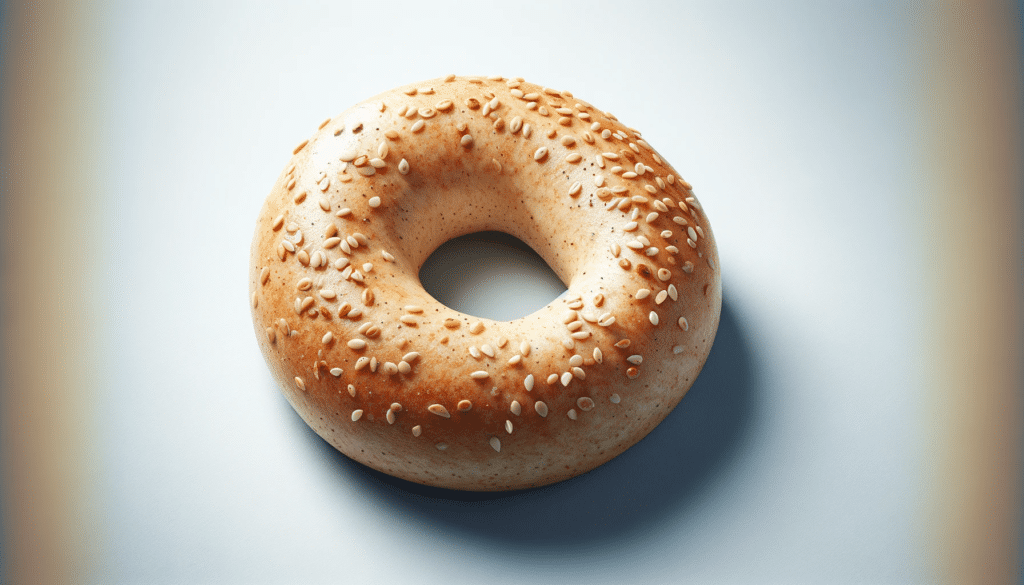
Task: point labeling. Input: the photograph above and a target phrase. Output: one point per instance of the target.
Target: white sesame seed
(635, 359)
(566, 378)
(516, 408)
(466, 140)
(413, 309)
(417, 126)
(515, 124)
(672, 292)
(356, 415)
(487, 350)
(664, 274)
(631, 226)
(541, 408)
(614, 399)
(653, 317)
(374, 202)
(508, 426)
(417, 430)
(439, 410)
(356, 344)
(540, 153)
(328, 337)
(480, 375)
(573, 157)
(598, 356)
(642, 294)
(476, 328)
(411, 356)
(576, 187)
(300, 384)
(528, 382)
(684, 324)
(552, 378)
(514, 360)
(495, 443)
(661, 297)
(366, 171)
(578, 373)
(576, 360)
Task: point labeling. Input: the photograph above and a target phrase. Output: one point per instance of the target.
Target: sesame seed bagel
(408, 386)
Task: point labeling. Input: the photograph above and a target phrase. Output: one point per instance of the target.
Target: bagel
(399, 382)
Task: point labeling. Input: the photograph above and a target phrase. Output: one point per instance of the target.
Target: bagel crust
(403, 384)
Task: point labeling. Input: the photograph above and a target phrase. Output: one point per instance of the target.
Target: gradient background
(860, 416)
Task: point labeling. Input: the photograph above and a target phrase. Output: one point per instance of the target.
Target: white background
(798, 456)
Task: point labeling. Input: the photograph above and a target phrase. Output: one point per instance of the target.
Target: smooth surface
(801, 455)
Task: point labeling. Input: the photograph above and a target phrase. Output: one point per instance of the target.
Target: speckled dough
(398, 381)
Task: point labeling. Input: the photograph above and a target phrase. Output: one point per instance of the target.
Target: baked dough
(408, 386)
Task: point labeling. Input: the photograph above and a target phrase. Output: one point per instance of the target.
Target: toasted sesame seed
(417, 430)
(541, 408)
(300, 384)
(377, 163)
(574, 326)
(632, 373)
(439, 410)
(408, 320)
(356, 415)
(631, 226)
(598, 356)
(515, 124)
(464, 406)
(515, 408)
(642, 294)
(476, 328)
(444, 105)
(524, 348)
(684, 324)
(662, 295)
(390, 416)
(573, 157)
(307, 303)
(552, 378)
(466, 140)
(635, 359)
(356, 344)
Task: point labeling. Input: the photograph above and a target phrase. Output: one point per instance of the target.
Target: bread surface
(406, 385)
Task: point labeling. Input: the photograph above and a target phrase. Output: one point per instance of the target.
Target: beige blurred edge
(971, 155)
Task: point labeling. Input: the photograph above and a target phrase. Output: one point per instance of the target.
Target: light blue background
(798, 457)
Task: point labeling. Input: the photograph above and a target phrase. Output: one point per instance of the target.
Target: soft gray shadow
(468, 272)
(655, 479)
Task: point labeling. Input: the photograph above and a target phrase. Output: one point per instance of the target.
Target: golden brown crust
(401, 383)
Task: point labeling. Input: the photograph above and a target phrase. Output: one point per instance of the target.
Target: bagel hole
(491, 275)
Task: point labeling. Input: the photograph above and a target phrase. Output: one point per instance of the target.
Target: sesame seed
(574, 326)
(487, 350)
(343, 212)
(632, 373)
(684, 324)
(307, 303)
(552, 378)
(631, 226)
(661, 297)
(476, 328)
(514, 360)
(606, 320)
(374, 202)
(653, 317)
(585, 403)
(571, 414)
(301, 146)
(300, 384)
(480, 375)
(331, 242)
(328, 337)
(635, 359)
(541, 408)
(528, 382)
(464, 406)
(540, 153)
(627, 174)
(404, 367)
(573, 158)
(444, 105)
(337, 372)
(408, 320)
(377, 163)
(366, 171)
(466, 140)
(473, 351)
(527, 130)
(576, 360)
(356, 344)
(271, 335)
(515, 124)
(417, 430)
(652, 216)
(356, 415)
(664, 274)
(516, 408)
(688, 267)
(566, 378)
(495, 443)
(390, 416)
(439, 410)
(598, 356)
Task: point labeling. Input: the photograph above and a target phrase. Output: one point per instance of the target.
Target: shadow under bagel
(653, 480)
